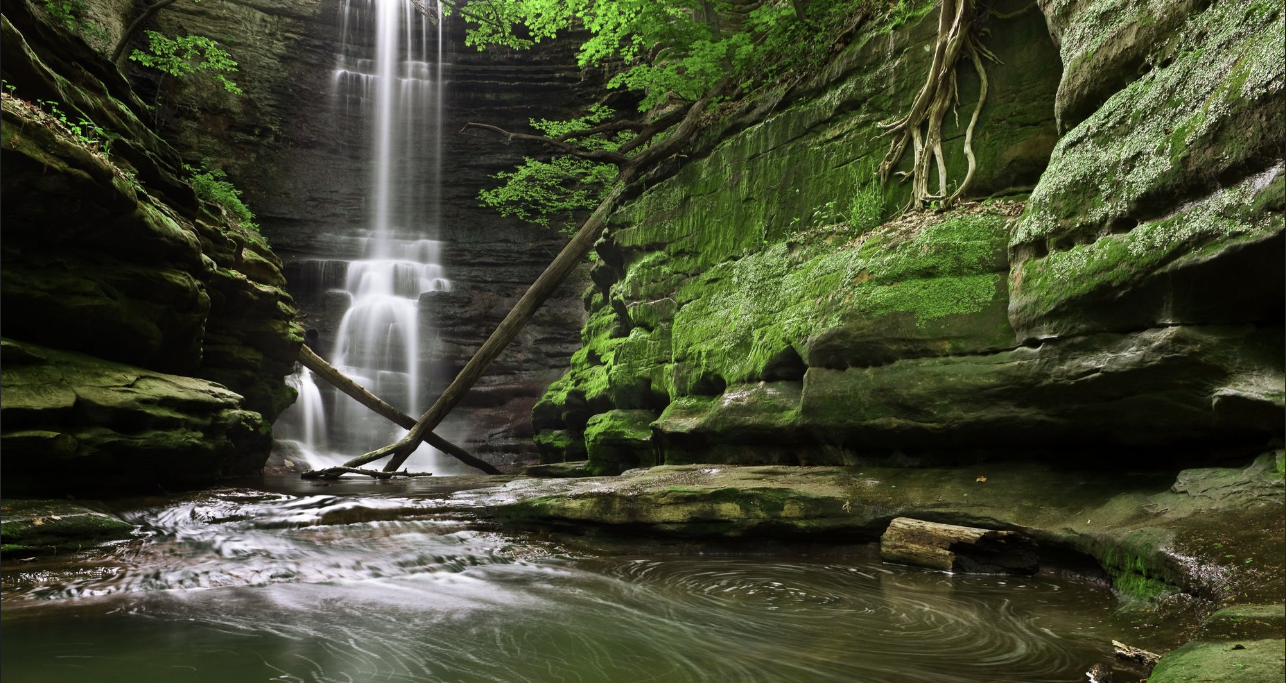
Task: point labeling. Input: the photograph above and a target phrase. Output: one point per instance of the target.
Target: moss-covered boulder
(39, 527)
(73, 422)
(1251, 661)
(620, 440)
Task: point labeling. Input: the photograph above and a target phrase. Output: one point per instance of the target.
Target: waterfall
(389, 73)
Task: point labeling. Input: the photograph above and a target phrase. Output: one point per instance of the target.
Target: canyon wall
(1113, 289)
(146, 334)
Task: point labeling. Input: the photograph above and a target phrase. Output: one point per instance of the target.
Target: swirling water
(242, 585)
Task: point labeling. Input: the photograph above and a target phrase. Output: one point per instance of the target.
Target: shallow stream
(277, 583)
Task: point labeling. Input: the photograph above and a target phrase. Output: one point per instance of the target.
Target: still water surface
(247, 585)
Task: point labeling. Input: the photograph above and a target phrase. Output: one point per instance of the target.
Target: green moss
(560, 445)
(1108, 264)
(619, 440)
(1246, 661)
(1213, 108)
(1138, 580)
(740, 317)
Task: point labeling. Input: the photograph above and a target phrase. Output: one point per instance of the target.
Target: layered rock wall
(147, 335)
(1115, 282)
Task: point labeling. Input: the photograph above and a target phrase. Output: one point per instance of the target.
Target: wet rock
(558, 470)
(40, 527)
(1149, 541)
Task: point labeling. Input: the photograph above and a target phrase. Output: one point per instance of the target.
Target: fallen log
(1134, 654)
(309, 359)
(960, 549)
(337, 472)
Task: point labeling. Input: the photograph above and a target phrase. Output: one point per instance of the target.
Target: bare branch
(603, 155)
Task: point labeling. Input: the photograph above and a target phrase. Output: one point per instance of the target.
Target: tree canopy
(668, 54)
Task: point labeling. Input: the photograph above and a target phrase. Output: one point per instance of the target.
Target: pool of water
(285, 585)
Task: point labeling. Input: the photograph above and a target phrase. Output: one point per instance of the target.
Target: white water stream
(390, 70)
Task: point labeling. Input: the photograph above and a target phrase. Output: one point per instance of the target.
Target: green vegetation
(672, 48)
(673, 52)
(86, 132)
(72, 14)
(550, 193)
(212, 185)
(866, 211)
(185, 55)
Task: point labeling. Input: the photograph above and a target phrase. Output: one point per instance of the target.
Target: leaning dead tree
(309, 359)
(958, 36)
(649, 151)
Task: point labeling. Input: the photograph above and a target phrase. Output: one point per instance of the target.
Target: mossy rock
(1163, 206)
(619, 440)
(1251, 661)
(1245, 622)
(77, 423)
(38, 527)
(560, 445)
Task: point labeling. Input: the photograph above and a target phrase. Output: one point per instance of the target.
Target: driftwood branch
(557, 271)
(309, 359)
(963, 549)
(148, 13)
(337, 472)
(1134, 654)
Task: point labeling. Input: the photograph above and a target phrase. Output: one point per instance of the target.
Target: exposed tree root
(922, 125)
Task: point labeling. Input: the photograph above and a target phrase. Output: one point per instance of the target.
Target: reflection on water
(248, 585)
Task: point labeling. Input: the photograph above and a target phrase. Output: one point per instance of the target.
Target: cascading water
(390, 74)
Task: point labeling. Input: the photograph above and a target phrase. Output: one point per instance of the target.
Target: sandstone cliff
(146, 334)
(1116, 284)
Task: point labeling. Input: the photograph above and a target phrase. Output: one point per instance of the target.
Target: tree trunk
(123, 43)
(541, 289)
(309, 359)
(962, 549)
